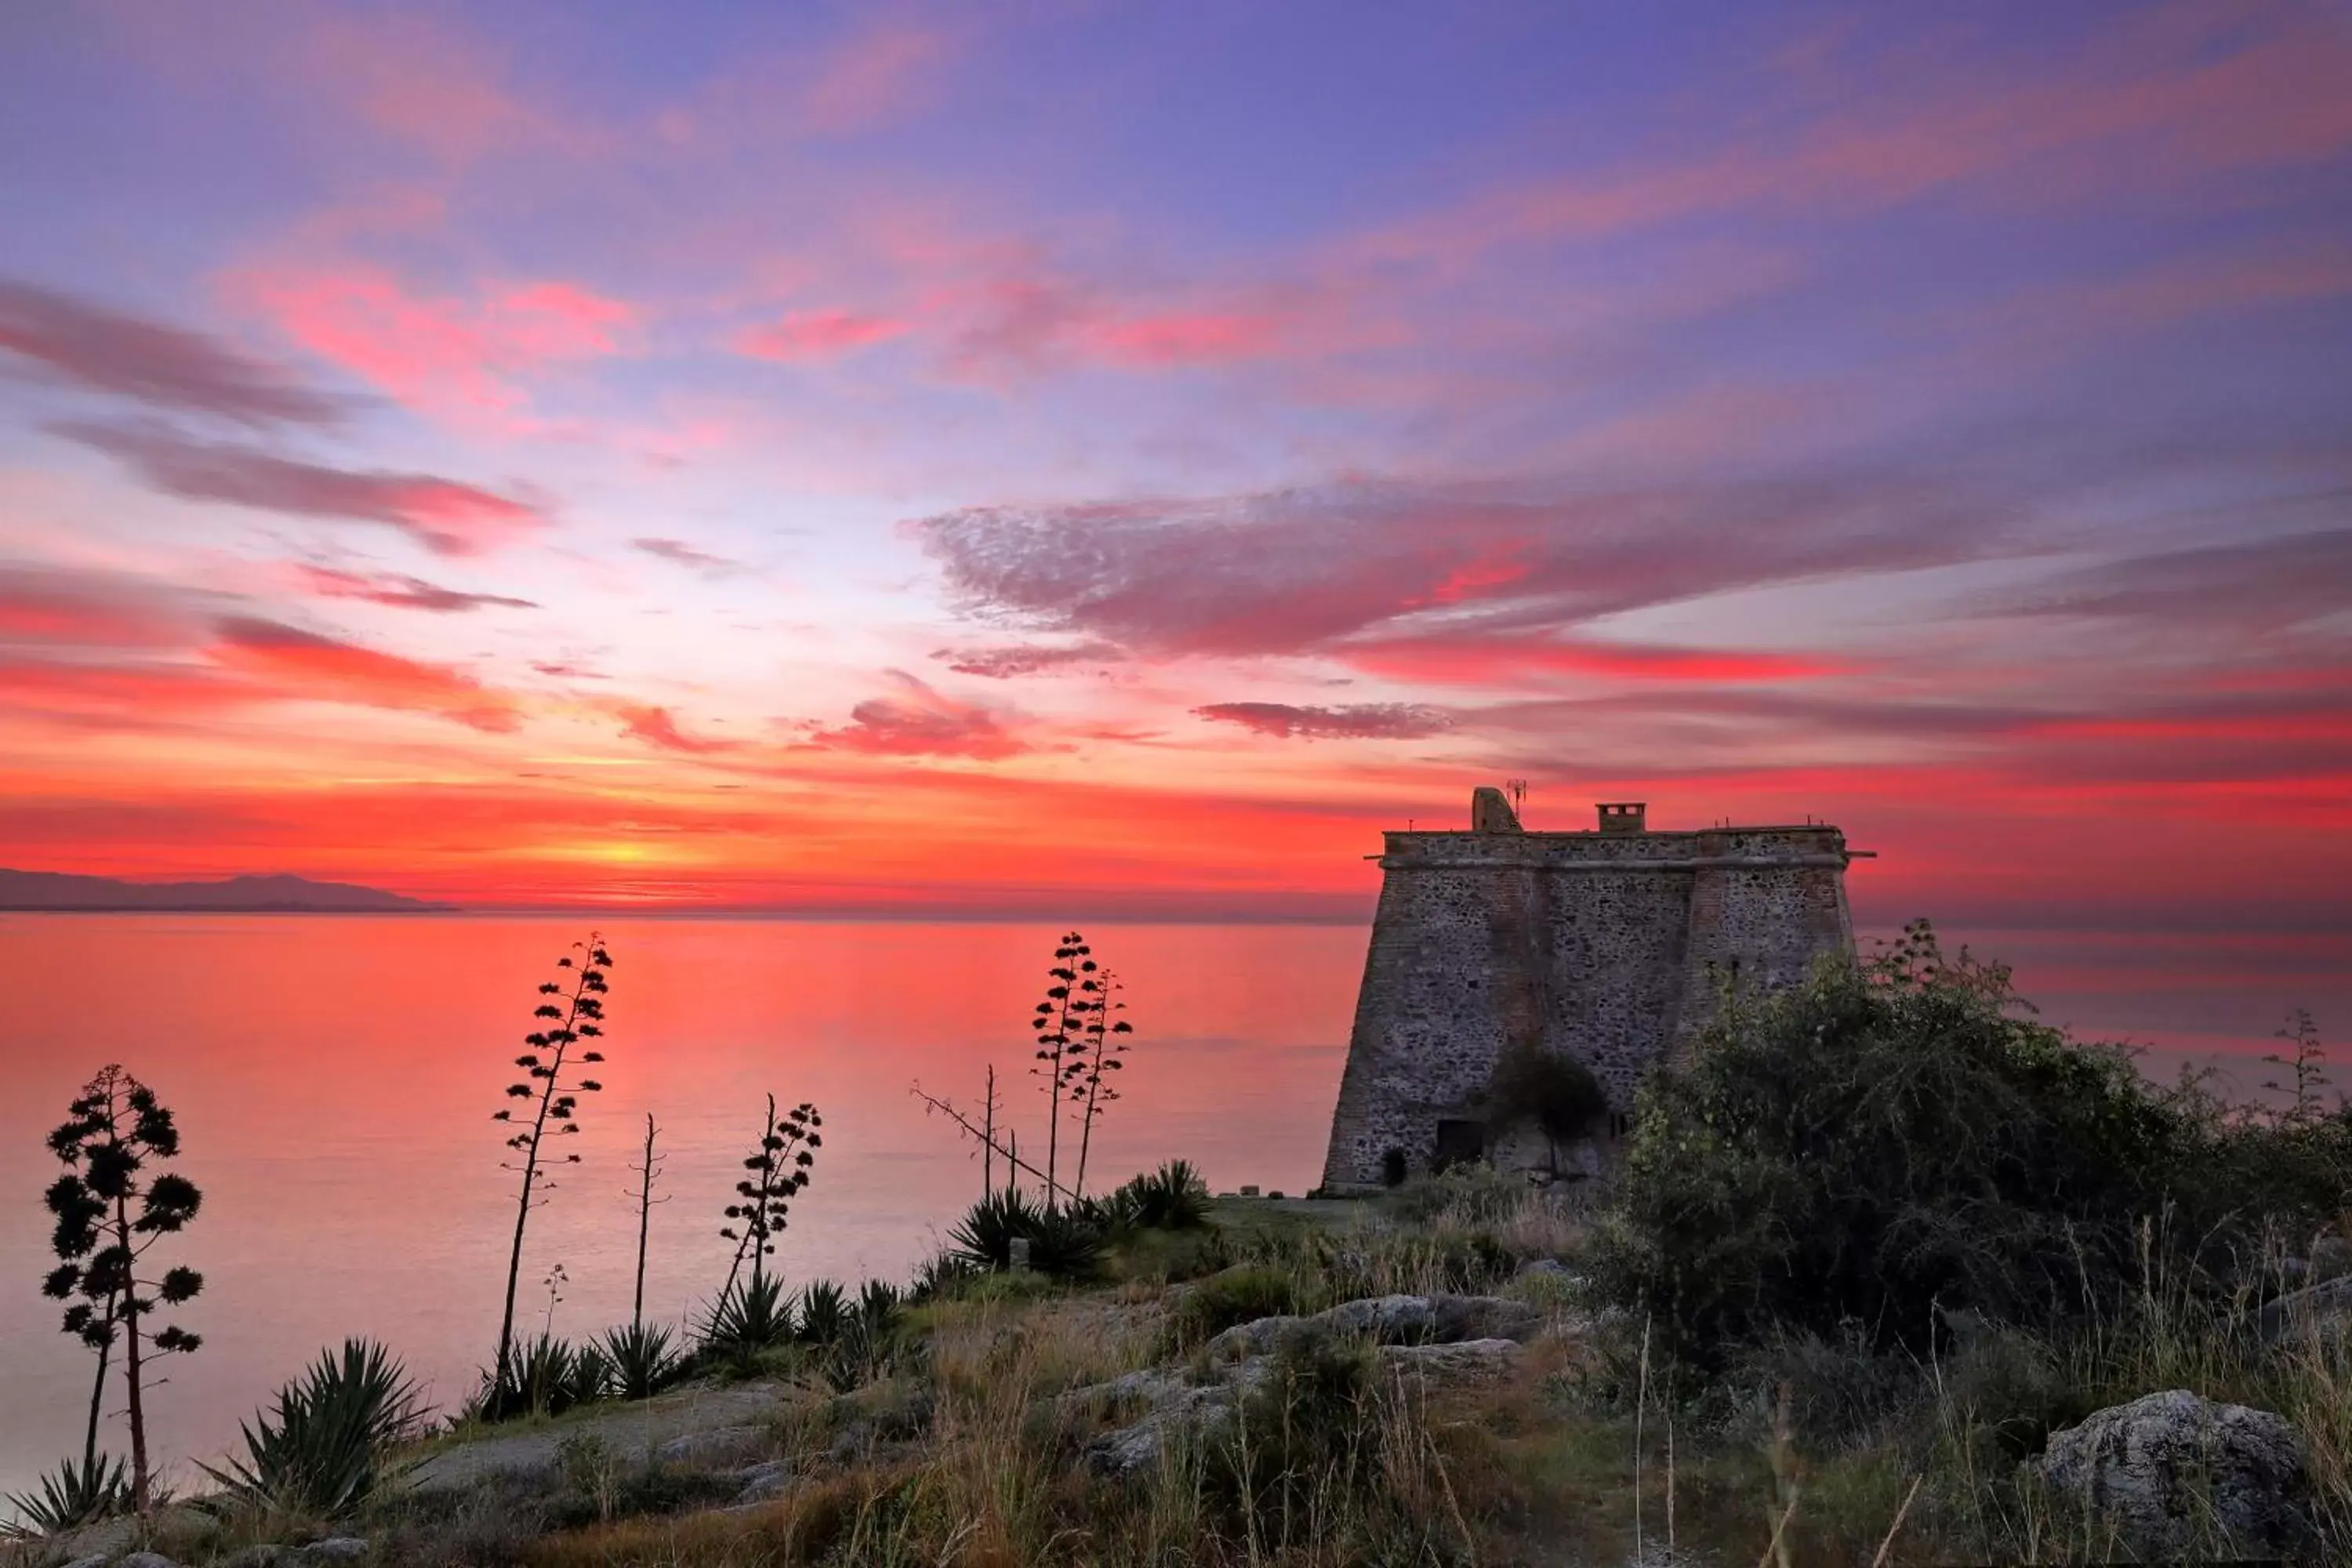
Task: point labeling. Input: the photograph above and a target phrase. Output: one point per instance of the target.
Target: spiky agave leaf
(643, 1358)
(71, 1496)
(752, 1317)
(320, 1450)
(825, 1312)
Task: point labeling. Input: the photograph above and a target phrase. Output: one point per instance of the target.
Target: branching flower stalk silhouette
(780, 1168)
(647, 1173)
(107, 1220)
(1060, 1024)
(577, 1016)
(1101, 1046)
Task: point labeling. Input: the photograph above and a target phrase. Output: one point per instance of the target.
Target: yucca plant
(644, 1360)
(823, 1312)
(78, 1492)
(319, 1451)
(1173, 1197)
(752, 1317)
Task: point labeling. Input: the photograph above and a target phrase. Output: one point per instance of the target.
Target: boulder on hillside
(1390, 1320)
(2167, 1468)
(2323, 1308)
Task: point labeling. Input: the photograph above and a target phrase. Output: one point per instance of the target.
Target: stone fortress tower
(1611, 945)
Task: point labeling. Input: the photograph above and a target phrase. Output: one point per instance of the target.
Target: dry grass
(1590, 1451)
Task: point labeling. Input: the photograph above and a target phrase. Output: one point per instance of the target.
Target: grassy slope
(956, 1451)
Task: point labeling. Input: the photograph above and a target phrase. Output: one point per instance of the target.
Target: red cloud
(129, 357)
(658, 726)
(299, 664)
(444, 515)
(116, 695)
(57, 607)
(921, 721)
(1353, 721)
(444, 355)
(818, 335)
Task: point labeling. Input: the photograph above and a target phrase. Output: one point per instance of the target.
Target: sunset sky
(1118, 458)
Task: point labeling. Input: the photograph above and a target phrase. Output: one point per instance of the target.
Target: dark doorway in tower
(1458, 1143)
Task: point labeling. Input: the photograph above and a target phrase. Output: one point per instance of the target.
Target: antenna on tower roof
(1518, 790)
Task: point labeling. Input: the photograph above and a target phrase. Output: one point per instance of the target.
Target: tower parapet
(1611, 946)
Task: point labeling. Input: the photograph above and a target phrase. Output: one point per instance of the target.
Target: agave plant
(643, 1358)
(1062, 1243)
(545, 1377)
(319, 1451)
(825, 1312)
(880, 1309)
(589, 1378)
(78, 1492)
(754, 1316)
(940, 1275)
(1173, 1197)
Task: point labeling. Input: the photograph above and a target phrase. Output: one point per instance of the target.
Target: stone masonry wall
(1614, 948)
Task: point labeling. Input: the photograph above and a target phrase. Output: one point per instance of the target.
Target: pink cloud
(426, 85)
(872, 78)
(62, 606)
(1348, 722)
(441, 354)
(1006, 661)
(101, 350)
(818, 335)
(400, 592)
(445, 516)
(305, 665)
(918, 721)
(1176, 338)
(2179, 95)
(1485, 660)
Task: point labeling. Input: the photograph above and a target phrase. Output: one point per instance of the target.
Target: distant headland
(57, 890)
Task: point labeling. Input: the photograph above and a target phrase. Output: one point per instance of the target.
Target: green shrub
(1891, 1140)
(319, 1451)
(71, 1496)
(1238, 1295)
(1462, 1195)
(1303, 1431)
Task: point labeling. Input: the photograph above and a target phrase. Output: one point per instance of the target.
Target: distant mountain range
(259, 895)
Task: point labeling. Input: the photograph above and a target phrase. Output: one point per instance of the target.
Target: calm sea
(334, 1079)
